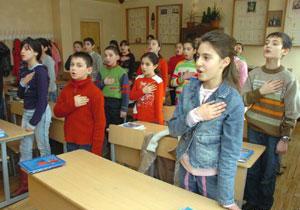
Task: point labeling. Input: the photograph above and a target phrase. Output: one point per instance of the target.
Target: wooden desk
(56, 130)
(13, 132)
(128, 142)
(90, 182)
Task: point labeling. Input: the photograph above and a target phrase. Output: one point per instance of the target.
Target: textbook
(41, 164)
(245, 154)
(133, 125)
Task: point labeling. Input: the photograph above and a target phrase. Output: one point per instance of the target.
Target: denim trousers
(41, 134)
(52, 96)
(261, 177)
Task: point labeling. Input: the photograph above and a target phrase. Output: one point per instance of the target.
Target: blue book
(245, 154)
(41, 164)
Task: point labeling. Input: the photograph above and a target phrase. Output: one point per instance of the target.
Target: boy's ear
(89, 69)
(155, 66)
(226, 62)
(285, 51)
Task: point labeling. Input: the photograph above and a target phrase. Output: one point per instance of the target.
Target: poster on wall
(168, 23)
(249, 21)
(137, 24)
(292, 23)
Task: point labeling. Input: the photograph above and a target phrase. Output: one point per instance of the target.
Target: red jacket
(148, 107)
(85, 124)
(163, 72)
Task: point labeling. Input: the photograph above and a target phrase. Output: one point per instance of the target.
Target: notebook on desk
(245, 154)
(41, 164)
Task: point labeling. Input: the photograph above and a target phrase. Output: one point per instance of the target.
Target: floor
(287, 195)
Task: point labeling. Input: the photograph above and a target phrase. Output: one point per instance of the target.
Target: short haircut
(78, 42)
(286, 40)
(46, 43)
(189, 41)
(150, 36)
(90, 40)
(35, 45)
(113, 48)
(124, 42)
(238, 43)
(152, 57)
(85, 56)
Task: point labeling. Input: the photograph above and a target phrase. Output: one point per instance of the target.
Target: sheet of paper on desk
(41, 164)
(133, 125)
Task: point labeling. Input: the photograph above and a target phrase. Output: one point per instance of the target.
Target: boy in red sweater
(148, 92)
(81, 103)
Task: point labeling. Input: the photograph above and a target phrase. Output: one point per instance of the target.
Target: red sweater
(148, 107)
(163, 72)
(173, 62)
(85, 124)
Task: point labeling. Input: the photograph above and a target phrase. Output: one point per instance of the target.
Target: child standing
(81, 103)
(185, 69)
(154, 46)
(33, 89)
(209, 118)
(77, 47)
(272, 92)
(127, 59)
(114, 83)
(239, 48)
(89, 45)
(148, 92)
(173, 61)
(48, 61)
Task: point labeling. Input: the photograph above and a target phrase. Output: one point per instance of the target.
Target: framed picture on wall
(137, 24)
(291, 21)
(274, 18)
(168, 23)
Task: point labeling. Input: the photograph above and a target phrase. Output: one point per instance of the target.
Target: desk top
(13, 131)
(258, 150)
(92, 182)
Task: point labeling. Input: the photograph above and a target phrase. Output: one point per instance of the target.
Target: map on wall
(137, 24)
(292, 23)
(168, 23)
(249, 21)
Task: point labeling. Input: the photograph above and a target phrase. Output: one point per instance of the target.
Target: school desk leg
(240, 182)
(112, 153)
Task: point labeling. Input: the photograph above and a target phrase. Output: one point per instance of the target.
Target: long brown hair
(224, 44)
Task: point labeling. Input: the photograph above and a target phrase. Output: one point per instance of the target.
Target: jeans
(41, 133)
(71, 147)
(261, 177)
(52, 96)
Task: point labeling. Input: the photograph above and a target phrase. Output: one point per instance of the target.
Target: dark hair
(224, 44)
(113, 48)
(46, 43)
(78, 42)
(124, 42)
(150, 36)
(152, 57)
(159, 44)
(35, 45)
(114, 42)
(85, 56)
(238, 43)
(90, 40)
(189, 41)
(286, 40)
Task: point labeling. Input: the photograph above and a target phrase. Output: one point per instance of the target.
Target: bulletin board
(249, 21)
(137, 24)
(168, 23)
(292, 23)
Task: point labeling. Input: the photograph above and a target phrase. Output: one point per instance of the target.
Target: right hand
(271, 86)
(25, 80)
(149, 88)
(187, 75)
(109, 81)
(80, 100)
(210, 110)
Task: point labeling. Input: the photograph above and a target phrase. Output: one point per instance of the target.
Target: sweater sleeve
(176, 79)
(42, 96)
(136, 92)
(292, 108)
(250, 96)
(159, 100)
(125, 92)
(139, 70)
(100, 122)
(164, 73)
(64, 105)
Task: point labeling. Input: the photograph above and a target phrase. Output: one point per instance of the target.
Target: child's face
(79, 69)
(110, 58)
(273, 48)
(77, 48)
(124, 48)
(179, 49)
(88, 47)
(153, 46)
(188, 51)
(209, 64)
(148, 67)
(44, 49)
(27, 53)
(238, 49)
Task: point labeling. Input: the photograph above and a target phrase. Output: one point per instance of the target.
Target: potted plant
(191, 19)
(215, 17)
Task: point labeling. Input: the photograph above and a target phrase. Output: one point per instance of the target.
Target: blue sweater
(35, 94)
